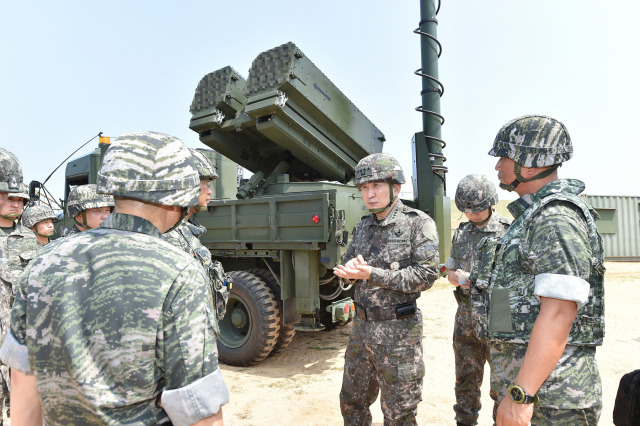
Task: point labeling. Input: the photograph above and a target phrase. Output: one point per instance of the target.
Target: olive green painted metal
(429, 172)
(293, 113)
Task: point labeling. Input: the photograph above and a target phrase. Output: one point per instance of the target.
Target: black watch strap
(519, 396)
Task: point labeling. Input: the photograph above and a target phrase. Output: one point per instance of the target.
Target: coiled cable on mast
(437, 168)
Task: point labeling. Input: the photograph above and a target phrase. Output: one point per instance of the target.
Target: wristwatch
(519, 396)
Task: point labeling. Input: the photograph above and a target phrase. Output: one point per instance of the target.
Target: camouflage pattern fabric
(203, 165)
(67, 232)
(469, 350)
(152, 167)
(10, 172)
(85, 197)
(552, 249)
(402, 250)
(380, 167)
(573, 385)
(111, 318)
(533, 141)
(6, 284)
(187, 238)
(475, 193)
(21, 246)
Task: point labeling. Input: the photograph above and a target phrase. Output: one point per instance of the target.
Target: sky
(71, 69)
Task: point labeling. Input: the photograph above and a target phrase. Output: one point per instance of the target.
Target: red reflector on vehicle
(315, 218)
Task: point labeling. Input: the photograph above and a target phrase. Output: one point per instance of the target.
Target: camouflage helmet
(381, 167)
(151, 167)
(10, 172)
(533, 141)
(203, 164)
(85, 197)
(36, 214)
(23, 192)
(475, 193)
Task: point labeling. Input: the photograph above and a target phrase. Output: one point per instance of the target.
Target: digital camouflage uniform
(11, 183)
(475, 193)
(21, 243)
(552, 250)
(470, 352)
(187, 238)
(21, 246)
(385, 355)
(67, 232)
(115, 320)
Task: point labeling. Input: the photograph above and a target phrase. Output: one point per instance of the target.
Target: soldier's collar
(127, 222)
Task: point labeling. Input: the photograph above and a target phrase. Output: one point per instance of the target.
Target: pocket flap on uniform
(500, 311)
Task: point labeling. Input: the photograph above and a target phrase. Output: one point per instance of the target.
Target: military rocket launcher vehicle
(288, 225)
(281, 232)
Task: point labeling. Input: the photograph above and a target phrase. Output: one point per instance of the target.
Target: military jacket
(464, 245)
(110, 319)
(67, 232)
(21, 246)
(552, 249)
(402, 250)
(187, 238)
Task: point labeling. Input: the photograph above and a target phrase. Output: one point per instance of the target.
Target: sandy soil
(300, 386)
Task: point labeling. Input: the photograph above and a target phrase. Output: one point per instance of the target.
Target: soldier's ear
(396, 189)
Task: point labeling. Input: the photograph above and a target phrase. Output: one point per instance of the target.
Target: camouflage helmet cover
(203, 164)
(23, 192)
(85, 197)
(533, 141)
(151, 167)
(381, 167)
(36, 214)
(10, 172)
(475, 193)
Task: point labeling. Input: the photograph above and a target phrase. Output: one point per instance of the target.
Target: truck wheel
(250, 328)
(286, 331)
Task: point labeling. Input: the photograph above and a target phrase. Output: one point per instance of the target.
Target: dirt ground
(300, 386)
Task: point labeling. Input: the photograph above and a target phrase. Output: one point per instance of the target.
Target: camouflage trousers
(471, 354)
(571, 395)
(395, 371)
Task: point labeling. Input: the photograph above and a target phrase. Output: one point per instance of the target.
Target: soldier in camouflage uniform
(187, 236)
(87, 208)
(12, 198)
(544, 296)
(20, 243)
(392, 258)
(115, 325)
(40, 220)
(475, 197)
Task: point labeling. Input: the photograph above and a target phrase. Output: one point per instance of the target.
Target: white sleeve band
(451, 264)
(564, 287)
(196, 401)
(15, 355)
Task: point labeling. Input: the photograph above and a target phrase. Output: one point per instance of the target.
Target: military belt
(382, 313)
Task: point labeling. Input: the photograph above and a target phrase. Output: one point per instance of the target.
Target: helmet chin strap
(185, 211)
(482, 222)
(392, 199)
(519, 178)
(84, 221)
(10, 217)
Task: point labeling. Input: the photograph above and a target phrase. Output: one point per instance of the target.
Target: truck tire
(250, 328)
(286, 331)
